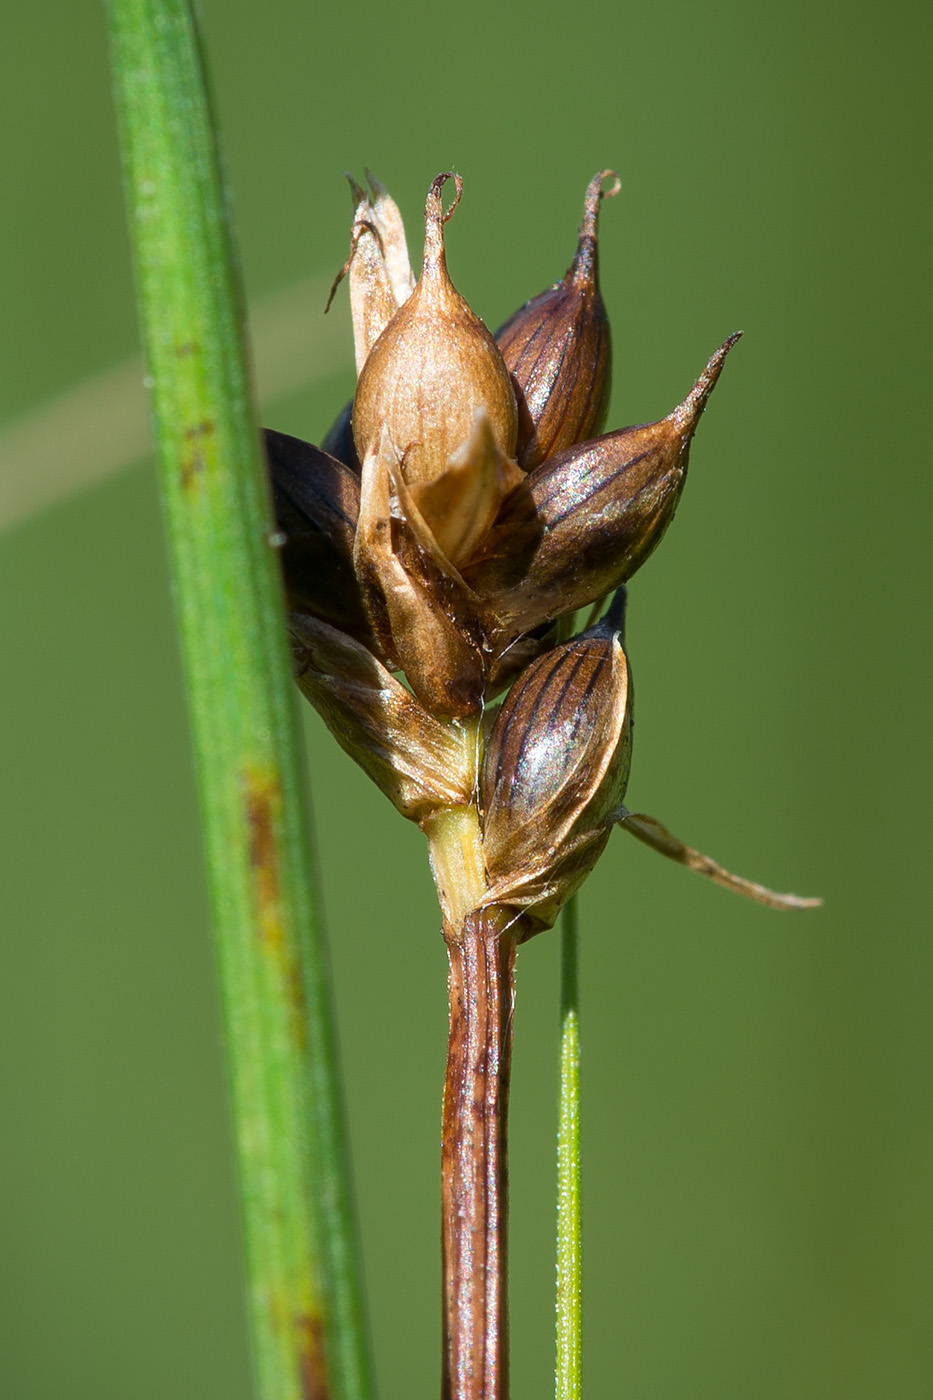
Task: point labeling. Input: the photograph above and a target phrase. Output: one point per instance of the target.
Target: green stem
(305, 1301)
(569, 1368)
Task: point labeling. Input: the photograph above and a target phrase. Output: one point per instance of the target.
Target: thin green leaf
(303, 1276)
(569, 1368)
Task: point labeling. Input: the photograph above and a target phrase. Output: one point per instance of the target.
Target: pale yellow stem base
(455, 842)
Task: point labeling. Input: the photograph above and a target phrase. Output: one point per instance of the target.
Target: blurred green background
(758, 1134)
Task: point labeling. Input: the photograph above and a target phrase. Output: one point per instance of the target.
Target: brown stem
(474, 1190)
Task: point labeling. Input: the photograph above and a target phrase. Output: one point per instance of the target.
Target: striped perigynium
(461, 511)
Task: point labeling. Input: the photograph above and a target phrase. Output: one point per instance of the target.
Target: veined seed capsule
(582, 522)
(557, 348)
(555, 770)
(432, 367)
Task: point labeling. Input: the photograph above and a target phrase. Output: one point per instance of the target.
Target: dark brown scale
(317, 504)
(558, 351)
(339, 440)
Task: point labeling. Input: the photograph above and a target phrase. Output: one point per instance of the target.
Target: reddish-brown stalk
(474, 1169)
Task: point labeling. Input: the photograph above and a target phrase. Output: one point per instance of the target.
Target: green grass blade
(569, 1367)
(303, 1276)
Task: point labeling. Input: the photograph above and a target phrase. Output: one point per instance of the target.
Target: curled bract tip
(437, 184)
(584, 262)
(595, 191)
(435, 217)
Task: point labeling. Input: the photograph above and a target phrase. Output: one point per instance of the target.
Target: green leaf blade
(569, 1363)
(305, 1299)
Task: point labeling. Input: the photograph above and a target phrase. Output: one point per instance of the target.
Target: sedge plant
(436, 552)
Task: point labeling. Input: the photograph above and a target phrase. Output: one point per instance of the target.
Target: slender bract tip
(355, 238)
(687, 414)
(656, 835)
(435, 217)
(584, 263)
